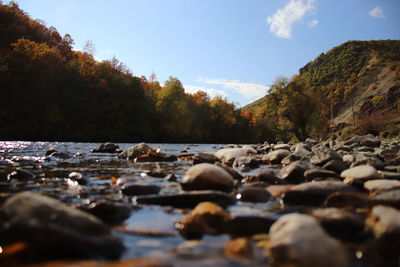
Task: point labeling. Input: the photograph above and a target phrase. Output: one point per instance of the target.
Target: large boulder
(52, 229)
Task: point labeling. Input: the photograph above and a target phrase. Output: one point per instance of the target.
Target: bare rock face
(298, 240)
(54, 230)
(206, 176)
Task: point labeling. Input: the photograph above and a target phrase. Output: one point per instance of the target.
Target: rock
(387, 154)
(310, 175)
(110, 212)
(314, 193)
(336, 165)
(390, 175)
(298, 240)
(389, 198)
(253, 194)
(154, 155)
(394, 161)
(107, 148)
(367, 159)
(53, 230)
(321, 155)
(347, 200)
(60, 155)
(359, 139)
(381, 185)
(134, 151)
(21, 174)
(281, 146)
(384, 222)
(247, 162)
(276, 156)
(228, 155)
(188, 200)
(302, 150)
(294, 172)
(206, 218)
(78, 177)
(51, 151)
(205, 157)
(340, 223)
(238, 248)
(278, 190)
(359, 174)
(242, 225)
(207, 176)
(289, 159)
(235, 175)
(364, 149)
(139, 189)
(371, 142)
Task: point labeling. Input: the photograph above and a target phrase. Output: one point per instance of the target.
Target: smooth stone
(278, 190)
(364, 149)
(281, 146)
(314, 193)
(238, 248)
(358, 139)
(381, 185)
(351, 200)
(139, 189)
(394, 161)
(247, 162)
(289, 159)
(51, 151)
(189, 199)
(134, 151)
(387, 154)
(340, 223)
(276, 156)
(390, 175)
(384, 222)
(110, 212)
(298, 240)
(392, 168)
(60, 155)
(249, 225)
(310, 175)
(321, 155)
(367, 159)
(371, 142)
(302, 146)
(107, 148)
(53, 230)
(21, 174)
(205, 157)
(390, 198)
(359, 174)
(235, 175)
(336, 165)
(206, 176)
(294, 172)
(267, 177)
(228, 155)
(253, 194)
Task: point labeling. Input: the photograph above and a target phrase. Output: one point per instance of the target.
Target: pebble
(238, 248)
(348, 200)
(275, 157)
(384, 222)
(294, 172)
(310, 175)
(139, 189)
(381, 185)
(359, 174)
(253, 194)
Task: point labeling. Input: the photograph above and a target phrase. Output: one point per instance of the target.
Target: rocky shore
(304, 204)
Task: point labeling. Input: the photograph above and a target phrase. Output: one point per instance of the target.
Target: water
(149, 230)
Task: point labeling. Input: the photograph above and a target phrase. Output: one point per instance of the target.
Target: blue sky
(233, 48)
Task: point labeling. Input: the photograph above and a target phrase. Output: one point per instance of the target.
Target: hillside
(355, 80)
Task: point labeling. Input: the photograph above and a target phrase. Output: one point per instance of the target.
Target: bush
(372, 124)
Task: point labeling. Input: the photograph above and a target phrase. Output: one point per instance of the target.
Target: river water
(149, 230)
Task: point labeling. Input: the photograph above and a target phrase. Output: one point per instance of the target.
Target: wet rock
(314, 193)
(110, 212)
(60, 155)
(276, 156)
(53, 230)
(228, 155)
(384, 222)
(206, 218)
(278, 190)
(235, 175)
(51, 151)
(298, 240)
(253, 194)
(389, 198)
(310, 175)
(340, 223)
(359, 174)
(242, 225)
(107, 148)
(321, 155)
(78, 177)
(347, 200)
(281, 146)
(207, 176)
(139, 189)
(381, 185)
(155, 155)
(189, 199)
(238, 248)
(247, 162)
(205, 157)
(134, 151)
(294, 172)
(21, 174)
(336, 165)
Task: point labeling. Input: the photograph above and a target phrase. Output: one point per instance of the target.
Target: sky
(231, 48)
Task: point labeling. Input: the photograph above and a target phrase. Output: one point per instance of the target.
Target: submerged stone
(107, 148)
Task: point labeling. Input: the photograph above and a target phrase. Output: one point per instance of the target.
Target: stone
(298, 240)
(276, 156)
(188, 200)
(139, 189)
(235, 175)
(371, 142)
(247, 162)
(310, 175)
(351, 200)
(336, 165)
(107, 148)
(294, 172)
(134, 151)
(253, 194)
(321, 155)
(268, 177)
(205, 157)
(238, 248)
(389, 198)
(367, 159)
(206, 176)
(228, 155)
(53, 230)
(21, 174)
(242, 225)
(384, 222)
(359, 174)
(359, 139)
(155, 155)
(281, 146)
(314, 193)
(110, 212)
(381, 185)
(51, 151)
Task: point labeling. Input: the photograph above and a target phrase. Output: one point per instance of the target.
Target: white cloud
(313, 23)
(377, 12)
(248, 90)
(281, 22)
(191, 89)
